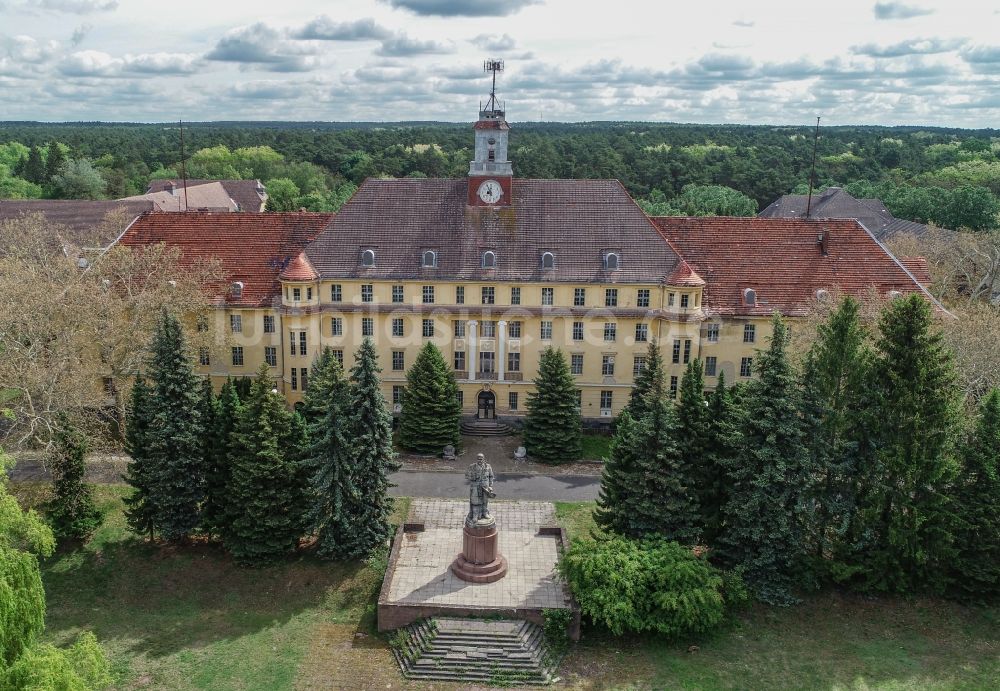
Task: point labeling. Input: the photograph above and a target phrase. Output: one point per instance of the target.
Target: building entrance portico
(487, 406)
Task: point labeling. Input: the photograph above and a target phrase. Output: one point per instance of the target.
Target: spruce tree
(721, 447)
(552, 425)
(175, 438)
(431, 410)
(266, 493)
(901, 537)
(71, 513)
(328, 455)
(693, 431)
(54, 160)
(976, 567)
(621, 474)
(769, 479)
(645, 380)
(372, 457)
(218, 470)
(34, 169)
(140, 506)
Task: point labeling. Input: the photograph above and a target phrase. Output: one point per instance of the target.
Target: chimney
(823, 240)
(172, 188)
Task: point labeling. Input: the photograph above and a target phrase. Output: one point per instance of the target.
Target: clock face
(490, 191)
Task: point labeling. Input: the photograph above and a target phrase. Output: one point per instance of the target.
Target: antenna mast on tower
(812, 171)
(184, 177)
(493, 66)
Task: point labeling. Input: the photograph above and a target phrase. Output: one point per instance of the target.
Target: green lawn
(187, 618)
(595, 446)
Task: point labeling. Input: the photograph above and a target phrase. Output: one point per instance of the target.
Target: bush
(649, 585)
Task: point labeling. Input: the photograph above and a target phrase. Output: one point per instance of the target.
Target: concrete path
(449, 485)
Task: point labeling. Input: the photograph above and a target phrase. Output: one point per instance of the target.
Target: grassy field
(188, 618)
(595, 446)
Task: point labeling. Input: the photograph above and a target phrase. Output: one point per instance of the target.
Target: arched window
(489, 259)
(430, 258)
(611, 261)
(548, 260)
(237, 290)
(749, 296)
(368, 258)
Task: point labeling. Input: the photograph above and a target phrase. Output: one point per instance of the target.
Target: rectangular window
(302, 342)
(428, 328)
(428, 295)
(546, 331)
(459, 295)
(638, 365)
(397, 395)
(607, 398)
(547, 295)
(513, 362)
(397, 294)
(684, 300)
(202, 324)
(514, 328)
(367, 326)
(577, 331)
(458, 326)
(268, 324)
(579, 399)
(642, 298)
(512, 400)
(339, 354)
(611, 297)
(487, 362)
(237, 356)
(641, 333)
(489, 295)
(749, 333)
(295, 379)
(676, 355)
(746, 367)
(296, 294)
(203, 357)
(367, 293)
(397, 327)
(397, 361)
(236, 323)
(515, 296)
(292, 347)
(710, 365)
(687, 350)
(461, 398)
(670, 299)
(271, 356)
(336, 293)
(489, 329)
(576, 363)
(336, 326)
(460, 360)
(579, 297)
(608, 365)
(304, 375)
(309, 296)
(610, 331)
(673, 386)
(712, 333)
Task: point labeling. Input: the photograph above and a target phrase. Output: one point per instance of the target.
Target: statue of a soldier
(480, 477)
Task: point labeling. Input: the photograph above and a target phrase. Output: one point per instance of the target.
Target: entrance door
(487, 406)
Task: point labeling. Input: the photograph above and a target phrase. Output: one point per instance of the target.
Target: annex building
(493, 269)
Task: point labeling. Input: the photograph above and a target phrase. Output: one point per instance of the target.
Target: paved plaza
(421, 574)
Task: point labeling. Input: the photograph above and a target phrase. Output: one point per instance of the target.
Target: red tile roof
(684, 275)
(781, 259)
(299, 269)
(252, 248)
(919, 267)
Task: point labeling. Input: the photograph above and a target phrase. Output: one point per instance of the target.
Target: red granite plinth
(480, 561)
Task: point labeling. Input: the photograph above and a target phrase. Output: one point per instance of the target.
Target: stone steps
(498, 651)
(485, 428)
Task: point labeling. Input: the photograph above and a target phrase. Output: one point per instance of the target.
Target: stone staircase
(501, 652)
(485, 428)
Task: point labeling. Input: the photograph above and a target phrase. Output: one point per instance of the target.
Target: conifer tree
(901, 537)
(54, 160)
(552, 425)
(34, 169)
(218, 470)
(71, 513)
(769, 479)
(721, 447)
(620, 475)
(645, 380)
(266, 494)
(328, 455)
(140, 511)
(175, 438)
(693, 432)
(431, 410)
(372, 456)
(976, 568)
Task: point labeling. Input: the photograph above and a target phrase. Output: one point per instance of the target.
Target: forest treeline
(655, 162)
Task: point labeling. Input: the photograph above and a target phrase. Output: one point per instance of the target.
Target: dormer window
(430, 259)
(236, 290)
(368, 258)
(489, 259)
(611, 260)
(749, 297)
(822, 295)
(548, 260)
(893, 294)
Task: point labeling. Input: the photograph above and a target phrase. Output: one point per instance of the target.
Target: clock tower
(490, 173)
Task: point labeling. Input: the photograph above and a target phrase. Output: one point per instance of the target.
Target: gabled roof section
(250, 195)
(251, 248)
(211, 196)
(919, 267)
(300, 269)
(76, 221)
(783, 261)
(576, 220)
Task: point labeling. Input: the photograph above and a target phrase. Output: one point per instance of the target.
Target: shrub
(649, 585)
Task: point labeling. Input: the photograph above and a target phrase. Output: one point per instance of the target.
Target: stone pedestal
(480, 560)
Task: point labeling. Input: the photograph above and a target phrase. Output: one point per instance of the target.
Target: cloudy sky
(926, 62)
